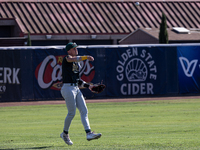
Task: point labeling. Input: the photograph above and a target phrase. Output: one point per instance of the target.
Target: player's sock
(88, 130)
(66, 132)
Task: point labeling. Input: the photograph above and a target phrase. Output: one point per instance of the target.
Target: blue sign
(35, 73)
(10, 76)
(134, 71)
(189, 69)
(47, 71)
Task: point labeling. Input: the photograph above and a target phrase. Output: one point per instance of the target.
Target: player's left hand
(90, 58)
(97, 88)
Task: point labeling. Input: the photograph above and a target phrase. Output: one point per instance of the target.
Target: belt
(71, 84)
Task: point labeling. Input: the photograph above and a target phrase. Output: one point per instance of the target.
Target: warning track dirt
(26, 103)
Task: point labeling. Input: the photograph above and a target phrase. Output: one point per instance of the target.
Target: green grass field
(156, 125)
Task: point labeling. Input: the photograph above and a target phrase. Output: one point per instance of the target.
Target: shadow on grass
(43, 147)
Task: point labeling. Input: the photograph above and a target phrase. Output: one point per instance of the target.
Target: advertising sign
(35, 73)
(189, 69)
(10, 70)
(136, 71)
(48, 72)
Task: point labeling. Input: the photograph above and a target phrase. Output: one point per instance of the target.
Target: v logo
(188, 67)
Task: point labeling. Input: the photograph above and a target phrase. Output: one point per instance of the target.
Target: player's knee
(84, 112)
(71, 114)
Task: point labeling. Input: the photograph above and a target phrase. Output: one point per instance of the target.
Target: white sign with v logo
(188, 67)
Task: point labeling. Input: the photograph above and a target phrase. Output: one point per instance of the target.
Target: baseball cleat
(92, 136)
(66, 138)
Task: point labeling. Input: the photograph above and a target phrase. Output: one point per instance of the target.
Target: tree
(163, 35)
(29, 40)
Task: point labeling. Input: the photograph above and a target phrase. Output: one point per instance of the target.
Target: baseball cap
(70, 46)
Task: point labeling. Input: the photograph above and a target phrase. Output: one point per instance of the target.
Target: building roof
(98, 17)
(139, 36)
(151, 36)
(173, 36)
(96, 0)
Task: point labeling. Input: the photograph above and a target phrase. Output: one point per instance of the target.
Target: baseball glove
(98, 88)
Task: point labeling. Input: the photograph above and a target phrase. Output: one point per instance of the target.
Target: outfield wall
(34, 73)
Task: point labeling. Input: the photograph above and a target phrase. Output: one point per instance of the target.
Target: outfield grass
(169, 124)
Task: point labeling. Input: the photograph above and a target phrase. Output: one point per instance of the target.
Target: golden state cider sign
(137, 67)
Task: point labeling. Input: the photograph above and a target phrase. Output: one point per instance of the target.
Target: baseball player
(72, 94)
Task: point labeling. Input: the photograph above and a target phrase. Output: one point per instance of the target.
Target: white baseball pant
(74, 98)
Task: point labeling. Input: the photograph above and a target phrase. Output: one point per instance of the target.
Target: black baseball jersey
(70, 71)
